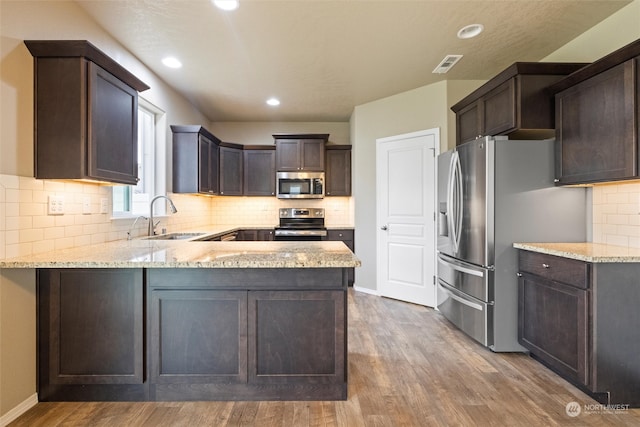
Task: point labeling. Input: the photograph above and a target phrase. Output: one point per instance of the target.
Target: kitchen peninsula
(189, 320)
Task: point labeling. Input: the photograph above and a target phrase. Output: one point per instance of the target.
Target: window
(133, 200)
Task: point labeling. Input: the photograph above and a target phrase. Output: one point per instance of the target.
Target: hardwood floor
(407, 367)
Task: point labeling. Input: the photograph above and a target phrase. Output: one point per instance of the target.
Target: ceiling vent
(446, 64)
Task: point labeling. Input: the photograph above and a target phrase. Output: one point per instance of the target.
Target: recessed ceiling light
(226, 4)
(273, 102)
(172, 62)
(470, 31)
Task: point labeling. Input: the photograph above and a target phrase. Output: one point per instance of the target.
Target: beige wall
(618, 30)
(415, 110)
(260, 133)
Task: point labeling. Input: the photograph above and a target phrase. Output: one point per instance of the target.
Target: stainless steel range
(301, 224)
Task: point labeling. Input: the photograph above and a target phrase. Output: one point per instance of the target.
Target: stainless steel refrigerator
(493, 192)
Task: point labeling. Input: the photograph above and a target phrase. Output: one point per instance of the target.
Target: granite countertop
(143, 253)
(590, 252)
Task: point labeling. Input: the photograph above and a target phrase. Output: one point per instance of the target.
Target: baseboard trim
(23, 407)
(366, 291)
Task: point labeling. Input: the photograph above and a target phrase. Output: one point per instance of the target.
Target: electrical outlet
(86, 205)
(55, 205)
(104, 205)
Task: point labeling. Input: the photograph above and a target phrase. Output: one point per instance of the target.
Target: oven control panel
(301, 212)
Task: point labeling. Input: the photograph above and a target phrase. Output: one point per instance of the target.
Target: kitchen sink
(175, 236)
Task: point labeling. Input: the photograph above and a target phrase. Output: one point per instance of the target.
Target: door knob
(384, 228)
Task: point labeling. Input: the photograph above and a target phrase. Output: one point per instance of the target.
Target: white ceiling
(322, 57)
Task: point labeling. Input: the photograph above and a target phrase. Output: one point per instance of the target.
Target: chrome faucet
(133, 226)
(152, 226)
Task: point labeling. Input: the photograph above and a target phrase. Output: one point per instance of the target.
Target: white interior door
(406, 205)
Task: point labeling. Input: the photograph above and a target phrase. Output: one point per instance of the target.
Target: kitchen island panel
(198, 336)
(297, 337)
(248, 278)
(90, 334)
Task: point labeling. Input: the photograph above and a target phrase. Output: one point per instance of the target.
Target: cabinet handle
(545, 265)
(519, 274)
(556, 180)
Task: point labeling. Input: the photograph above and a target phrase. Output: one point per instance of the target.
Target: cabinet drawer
(340, 234)
(565, 270)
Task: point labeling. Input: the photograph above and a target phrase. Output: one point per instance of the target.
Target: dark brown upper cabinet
(338, 170)
(516, 102)
(86, 113)
(300, 152)
(259, 170)
(231, 165)
(196, 154)
(598, 120)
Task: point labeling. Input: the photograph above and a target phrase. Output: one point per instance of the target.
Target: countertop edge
(585, 251)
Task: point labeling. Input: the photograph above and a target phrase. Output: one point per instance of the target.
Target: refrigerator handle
(451, 293)
(459, 201)
(450, 201)
(455, 201)
(459, 267)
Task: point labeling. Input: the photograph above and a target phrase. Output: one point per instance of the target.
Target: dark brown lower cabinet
(345, 235)
(247, 334)
(581, 319)
(90, 334)
(192, 334)
(198, 336)
(296, 337)
(554, 322)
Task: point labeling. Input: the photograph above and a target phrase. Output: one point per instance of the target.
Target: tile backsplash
(26, 227)
(616, 214)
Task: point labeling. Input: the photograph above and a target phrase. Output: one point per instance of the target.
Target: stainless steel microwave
(300, 185)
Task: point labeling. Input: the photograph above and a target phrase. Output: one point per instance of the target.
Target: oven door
(293, 234)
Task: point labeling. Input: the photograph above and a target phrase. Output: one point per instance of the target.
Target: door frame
(379, 252)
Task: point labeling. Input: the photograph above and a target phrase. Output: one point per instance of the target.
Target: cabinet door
(205, 146)
(597, 128)
(499, 109)
(265, 235)
(90, 327)
(468, 123)
(113, 128)
(198, 336)
(297, 337)
(338, 173)
(287, 155)
(248, 235)
(312, 155)
(553, 323)
(259, 172)
(230, 171)
(300, 155)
